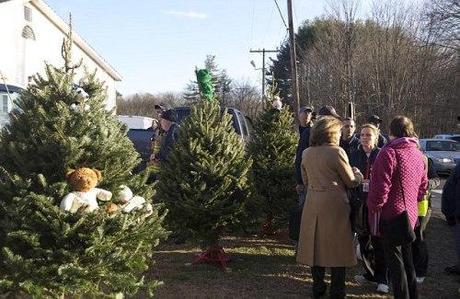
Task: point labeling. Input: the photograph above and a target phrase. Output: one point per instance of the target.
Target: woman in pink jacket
(398, 181)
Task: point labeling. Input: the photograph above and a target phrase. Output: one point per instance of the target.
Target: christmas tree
(204, 184)
(221, 84)
(47, 252)
(272, 148)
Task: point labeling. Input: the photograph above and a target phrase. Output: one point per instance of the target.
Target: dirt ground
(266, 268)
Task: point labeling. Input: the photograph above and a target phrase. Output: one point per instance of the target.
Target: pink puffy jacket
(398, 158)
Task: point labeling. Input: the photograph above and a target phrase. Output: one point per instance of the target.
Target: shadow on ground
(266, 268)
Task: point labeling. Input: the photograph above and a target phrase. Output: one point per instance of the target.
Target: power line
(281, 14)
(293, 60)
(263, 51)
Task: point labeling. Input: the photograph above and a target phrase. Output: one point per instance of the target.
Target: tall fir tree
(221, 83)
(204, 184)
(272, 149)
(46, 252)
(281, 67)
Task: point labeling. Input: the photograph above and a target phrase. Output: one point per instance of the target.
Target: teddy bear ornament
(130, 202)
(85, 194)
(80, 102)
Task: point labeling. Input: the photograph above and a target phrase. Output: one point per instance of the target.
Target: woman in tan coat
(326, 238)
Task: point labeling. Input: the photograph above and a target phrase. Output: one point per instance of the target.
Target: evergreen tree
(221, 82)
(204, 184)
(46, 252)
(281, 68)
(272, 149)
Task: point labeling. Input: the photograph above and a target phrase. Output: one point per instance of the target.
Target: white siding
(11, 23)
(21, 58)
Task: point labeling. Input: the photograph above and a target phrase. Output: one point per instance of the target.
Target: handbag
(361, 223)
(358, 213)
(398, 230)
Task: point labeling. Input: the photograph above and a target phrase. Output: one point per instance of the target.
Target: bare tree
(246, 97)
(443, 18)
(143, 104)
(386, 64)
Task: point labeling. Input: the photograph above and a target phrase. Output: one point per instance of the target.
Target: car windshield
(442, 145)
(455, 138)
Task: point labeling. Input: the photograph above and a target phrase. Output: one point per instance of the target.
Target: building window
(5, 104)
(28, 14)
(28, 33)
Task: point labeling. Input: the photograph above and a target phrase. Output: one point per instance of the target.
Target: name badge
(366, 186)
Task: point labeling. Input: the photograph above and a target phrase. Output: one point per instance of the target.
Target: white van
(455, 137)
(136, 122)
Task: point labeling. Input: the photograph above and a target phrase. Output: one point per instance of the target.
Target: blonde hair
(325, 130)
(374, 130)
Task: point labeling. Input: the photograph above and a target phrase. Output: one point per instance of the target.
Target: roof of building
(9, 88)
(77, 39)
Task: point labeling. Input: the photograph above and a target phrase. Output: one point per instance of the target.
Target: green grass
(266, 268)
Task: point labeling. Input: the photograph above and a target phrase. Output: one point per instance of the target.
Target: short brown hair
(402, 126)
(324, 129)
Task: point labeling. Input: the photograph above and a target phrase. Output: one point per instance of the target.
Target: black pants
(372, 252)
(419, 247)
(402, 272)
(337, 290)
(420, 253)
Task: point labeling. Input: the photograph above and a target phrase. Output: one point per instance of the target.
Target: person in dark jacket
(155, 141)
(304, 143)
(305, 123)
(376, 121)
(305, 117)
(348, 140)
(451, 209)
(370, 247)
(170, 127)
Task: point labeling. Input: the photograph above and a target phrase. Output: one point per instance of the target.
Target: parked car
(140, 129)
(140, 132)
(444, 153)
(240, 122)
(455, 137)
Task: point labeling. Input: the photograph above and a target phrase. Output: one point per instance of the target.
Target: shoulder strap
(399, 178)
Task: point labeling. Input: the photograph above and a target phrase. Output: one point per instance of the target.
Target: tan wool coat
(325, 234)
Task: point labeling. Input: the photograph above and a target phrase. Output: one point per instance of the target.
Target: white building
(31, 34)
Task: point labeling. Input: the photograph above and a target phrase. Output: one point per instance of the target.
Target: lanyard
(368, 167)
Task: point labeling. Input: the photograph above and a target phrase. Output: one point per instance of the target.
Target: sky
(155, 45)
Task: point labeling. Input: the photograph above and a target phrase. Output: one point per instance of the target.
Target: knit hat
(169, 115)
(328, 111)
(374, 119)
(306, 109)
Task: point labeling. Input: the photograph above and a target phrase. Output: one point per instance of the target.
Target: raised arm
(345, 172)
(103, 195)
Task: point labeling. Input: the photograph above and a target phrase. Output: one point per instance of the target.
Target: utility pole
(295, 85)
(263, 51)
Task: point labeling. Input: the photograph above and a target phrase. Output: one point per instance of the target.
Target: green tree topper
(204, 184)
